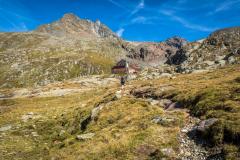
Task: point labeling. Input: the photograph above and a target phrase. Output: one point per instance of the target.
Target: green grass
(207, 95)
(121, 127)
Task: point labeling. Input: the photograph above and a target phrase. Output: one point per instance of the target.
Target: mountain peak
(70, 24)
(69, 16)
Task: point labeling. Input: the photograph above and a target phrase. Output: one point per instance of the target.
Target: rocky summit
(71, 25)
(60, 100)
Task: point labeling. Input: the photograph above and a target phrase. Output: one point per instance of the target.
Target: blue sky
(136, 20)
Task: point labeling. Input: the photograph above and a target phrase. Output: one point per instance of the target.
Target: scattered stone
(153, 102)
(30, 113)
(26, 117)
(2, 95)
(5, 128)
(210, 63)
(188, 154)
(231, 60)
(165, 103)
(62, 132)
(206, 124)
(34, 134)
(165, 75)
(200, 71)
(173, 106)
(118, 94)
(163, 120)
(169, 152)
(85, 136)
(95, 112)
(30, 116)
(221, 63)
(147, 152)
(189, 149)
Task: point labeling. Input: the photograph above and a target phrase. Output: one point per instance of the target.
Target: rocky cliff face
(155, 54)
(220, 48)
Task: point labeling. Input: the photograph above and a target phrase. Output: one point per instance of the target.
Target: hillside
(155, 119)
(72, 47)
(68, 48)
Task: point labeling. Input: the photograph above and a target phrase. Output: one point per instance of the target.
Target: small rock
(29, 116)
(118, 94)
(206, 124)
(85, 136)
(231, 60)
(188, 154)
(173, 106)
(154, 102)
(62, 132)
(26, 117)
(2, 95)
(168, 152)
(95, 112)
(165, 75)
(221, 62)
(5, 128)
(163, 120)
(165, 103)
(34, 134)
(147, 152)
(184, 130)
(200, 71)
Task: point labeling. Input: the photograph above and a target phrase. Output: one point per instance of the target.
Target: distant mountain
(71, 25)
(154, 54)
(220, 48)
(72, 47)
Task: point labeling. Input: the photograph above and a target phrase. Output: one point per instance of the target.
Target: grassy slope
(209, 95)
(123, 129)
(29, 59)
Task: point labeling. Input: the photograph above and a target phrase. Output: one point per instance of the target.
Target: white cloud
(144, 20)
(186, 23)
(139, 19)
(224, 6)
(120, 32)
(117, 4)
(140, 6)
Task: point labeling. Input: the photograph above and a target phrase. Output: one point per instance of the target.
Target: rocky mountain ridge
(71, 47)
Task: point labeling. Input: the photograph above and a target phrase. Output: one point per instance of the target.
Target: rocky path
(189, 150)
(191, 147)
